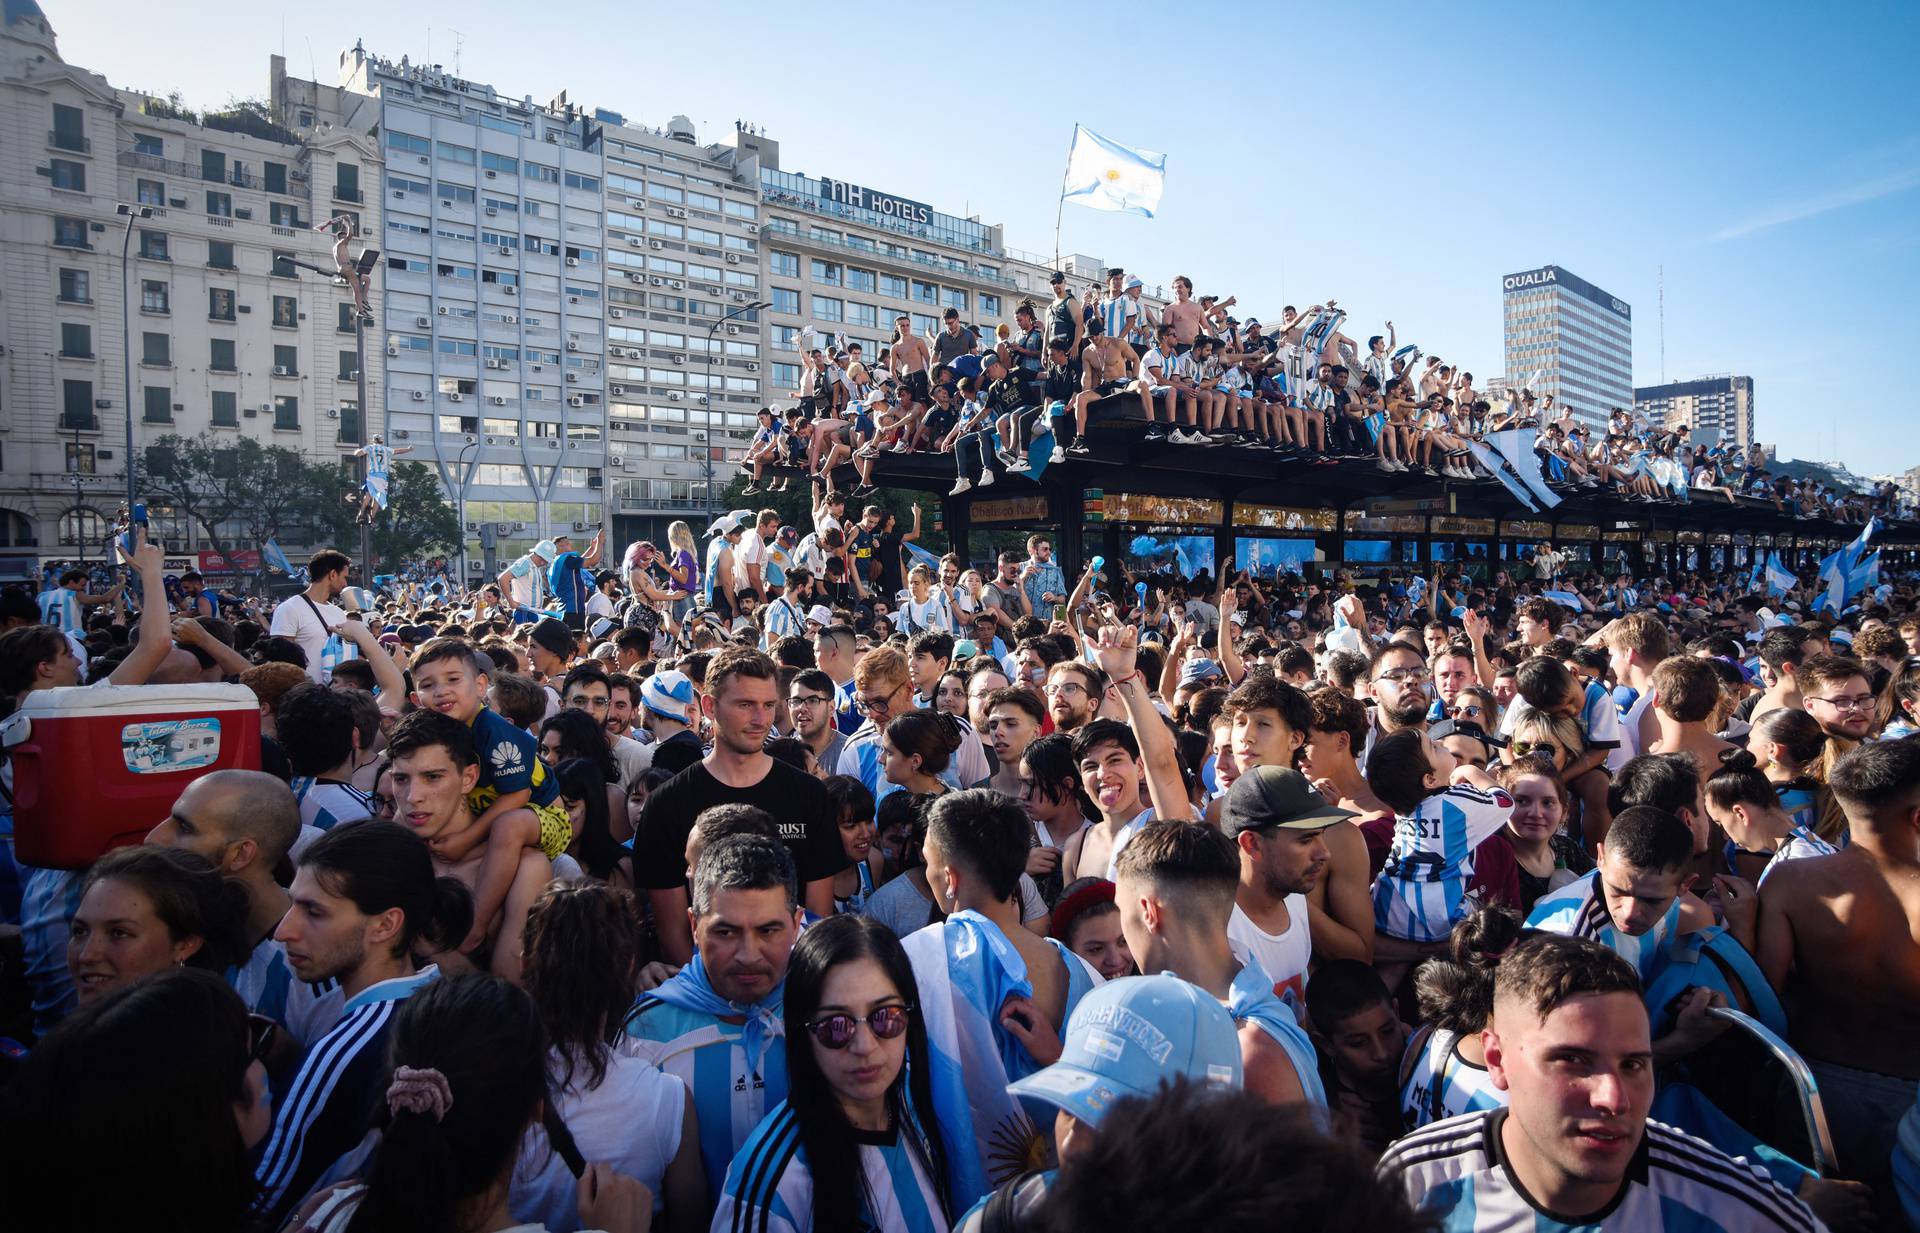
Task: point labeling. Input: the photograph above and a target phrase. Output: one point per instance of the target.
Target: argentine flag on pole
(1849, 571)
(1778, 578)
(1105, 175)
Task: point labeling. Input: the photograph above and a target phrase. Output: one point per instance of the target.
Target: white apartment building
(222, 335)
(1568, 338)
(491, 289)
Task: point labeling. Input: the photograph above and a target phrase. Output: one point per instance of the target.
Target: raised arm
(386, 673)
(1116, 650)
(1230, 661)
(156, 624)
(189, 632)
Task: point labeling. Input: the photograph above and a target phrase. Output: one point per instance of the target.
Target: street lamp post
(130, 213)
(460, 502)
(707, 397)
(80, 536)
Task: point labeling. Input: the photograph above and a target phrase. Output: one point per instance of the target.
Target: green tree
(218, 482)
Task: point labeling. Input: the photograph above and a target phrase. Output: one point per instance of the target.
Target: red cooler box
(97, 767)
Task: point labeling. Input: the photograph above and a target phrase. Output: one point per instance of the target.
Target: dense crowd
(1299, 388)
(822, 882)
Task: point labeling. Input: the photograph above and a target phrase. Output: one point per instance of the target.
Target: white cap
(820, 614)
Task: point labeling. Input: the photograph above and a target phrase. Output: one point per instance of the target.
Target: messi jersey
(1437, 1083)
(1421, 893)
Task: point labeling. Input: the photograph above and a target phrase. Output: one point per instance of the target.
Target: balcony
(776, 227)
(70, 422)
(153, 162)
(72, 143)
(352, 196)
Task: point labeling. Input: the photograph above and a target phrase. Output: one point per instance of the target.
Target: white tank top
(1283, 956)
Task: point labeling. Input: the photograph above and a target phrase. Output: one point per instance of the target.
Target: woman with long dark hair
(138, 1112)
(855, 1144)
(573, 733)
(582, 953)
(146, 909)
(469, 1075)
(584, 793)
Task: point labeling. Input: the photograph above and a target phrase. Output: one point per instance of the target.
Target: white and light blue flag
(1778, 578)
(1105, 175)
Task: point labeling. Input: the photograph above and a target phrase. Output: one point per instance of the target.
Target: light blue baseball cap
(1128, 1037)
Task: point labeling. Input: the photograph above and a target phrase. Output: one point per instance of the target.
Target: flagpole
(1060, 206)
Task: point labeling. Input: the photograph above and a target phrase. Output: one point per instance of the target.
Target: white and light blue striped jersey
(328, 1109)
(325, 803)
(1421, 893)
(1600, 720)
(1114, 314)
(769, 1189)
(61, 607)
(1578, 910)
(266, 983)
(379, 461)
(783, 618)
(1801, 843)
(861, 759)
(49, 900)
(704, 1052)
(1438, 1083)
(1458, 1170)
(856, 903)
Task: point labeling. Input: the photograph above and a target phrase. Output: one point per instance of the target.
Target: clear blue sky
(1400, 158)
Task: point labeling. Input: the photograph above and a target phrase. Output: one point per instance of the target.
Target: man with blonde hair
(1636, 643)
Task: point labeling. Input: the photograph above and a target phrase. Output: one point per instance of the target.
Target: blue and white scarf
(690, 990)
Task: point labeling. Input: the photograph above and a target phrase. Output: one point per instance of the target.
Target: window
(455, 154)
(350, 432)
(786, 338)
(953, 297)
(76, 406)
(349, 365)
(453, 194)
(75, 287)
(149, 192)
(545, 175)
(226, 409)
(220, 356)
(700, 235)
(286, 312)
(785, 301)
(703, 201)
(344, 321)
(786, 377)
(219, 205)
(924, 324)
(153, 296)
(153, 245)
(500, 162)
(408, 142)
(213, 166)
(69, 232)
(159, 408)
(69, 175)
(925, 293)
(863, 314)
(665, 192)
(149, 145)
(286, 412)
(346, 182)
(274, 176)
(860, 280)
(82, 526)
(156, 349)
(989, 305)
(219, 304)
(80, 458)
(588, 183)
(827, 272)
(220, 254)
(893, 286)
(76, 340)
(785, 265)
(286, 360)
(826, 308)
(283, 214)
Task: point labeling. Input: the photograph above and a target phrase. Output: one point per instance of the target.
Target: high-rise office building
(1716, 409)
(491, 288)
(684, 340)
(1568, 338)
(221, 336)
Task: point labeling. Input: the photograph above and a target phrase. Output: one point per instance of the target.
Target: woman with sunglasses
(139, 1112)
(144, 910)
(1554, 737)
(855, 1145)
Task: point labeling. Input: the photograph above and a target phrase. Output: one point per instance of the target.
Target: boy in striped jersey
(716, 1024)
(1569, 1044)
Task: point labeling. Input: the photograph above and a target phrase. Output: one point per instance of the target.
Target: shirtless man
(908, 360)
(1184, 315)
(434, 767)
(345, 268)
(1113, 764)
(1107, 367)
(1841, 935)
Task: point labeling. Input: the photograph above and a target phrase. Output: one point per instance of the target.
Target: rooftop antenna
(459, 40)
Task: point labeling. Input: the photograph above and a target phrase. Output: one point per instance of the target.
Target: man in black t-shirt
(741, 698)
(1064, 326)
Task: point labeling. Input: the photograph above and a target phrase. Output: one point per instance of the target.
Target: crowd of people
(817, 881)
(1298, 388)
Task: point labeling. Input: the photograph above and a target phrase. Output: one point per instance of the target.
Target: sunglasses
(837, 1031)
(1523, 749)
(261, 1033)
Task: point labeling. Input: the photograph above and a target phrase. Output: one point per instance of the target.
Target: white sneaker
(1386, 466)
(1058, 455)
(1179, 437)
(959, 486)
(986, 478)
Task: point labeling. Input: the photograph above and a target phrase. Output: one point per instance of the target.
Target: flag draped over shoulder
(1105, 175)
(966, 969)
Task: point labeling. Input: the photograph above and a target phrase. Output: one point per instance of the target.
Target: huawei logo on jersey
(505, 755)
